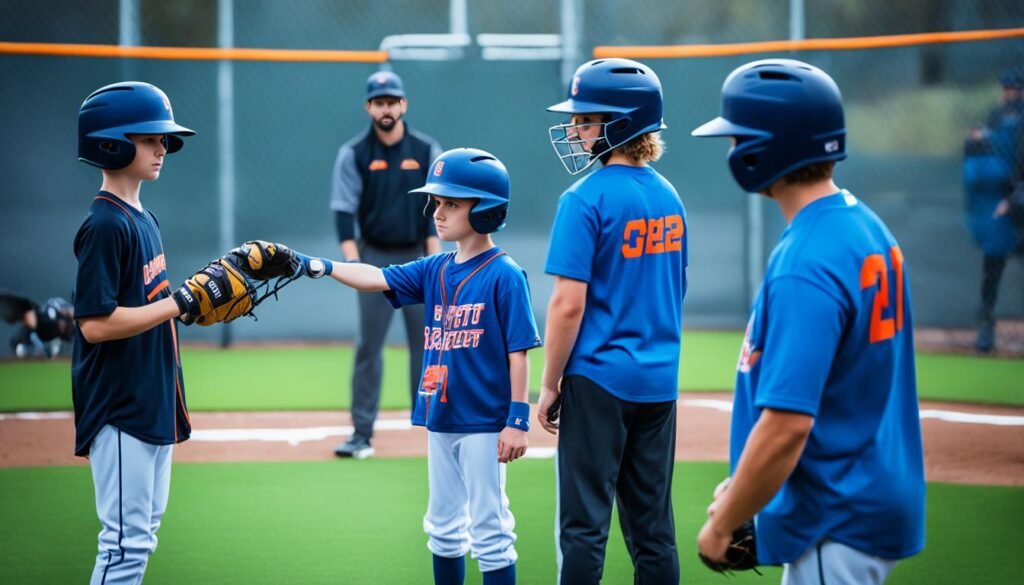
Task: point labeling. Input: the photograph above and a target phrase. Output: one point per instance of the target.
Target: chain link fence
(908, 111)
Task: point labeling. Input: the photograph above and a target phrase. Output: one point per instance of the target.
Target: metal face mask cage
(565, 139)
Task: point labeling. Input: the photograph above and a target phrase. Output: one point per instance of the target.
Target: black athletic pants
(612, 449)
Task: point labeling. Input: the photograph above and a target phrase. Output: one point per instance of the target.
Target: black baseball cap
(384, 83)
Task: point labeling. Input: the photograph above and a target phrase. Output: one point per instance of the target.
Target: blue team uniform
(830, 336)
(622, 230)
(133, 384)
(478, 314)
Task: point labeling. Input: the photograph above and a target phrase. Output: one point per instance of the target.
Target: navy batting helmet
(629, 93)
(111, 113)
(471, 173)
(784, 115)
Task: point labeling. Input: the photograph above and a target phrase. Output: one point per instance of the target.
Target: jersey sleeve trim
(567, 273)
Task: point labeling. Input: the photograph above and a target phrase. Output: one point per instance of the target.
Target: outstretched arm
(362, 277)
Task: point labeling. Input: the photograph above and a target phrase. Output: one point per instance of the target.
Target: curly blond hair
(644, 148)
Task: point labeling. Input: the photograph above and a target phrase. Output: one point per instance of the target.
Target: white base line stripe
(295, 436)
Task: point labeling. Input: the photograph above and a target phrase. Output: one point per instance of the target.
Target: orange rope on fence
(843, 44)
(191, 53)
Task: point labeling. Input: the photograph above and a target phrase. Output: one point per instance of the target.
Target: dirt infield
(962, 444)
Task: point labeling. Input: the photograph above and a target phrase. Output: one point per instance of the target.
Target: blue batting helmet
(629, 93)
(471, 173)
(111, 113)
(784, 115)
(384, 83)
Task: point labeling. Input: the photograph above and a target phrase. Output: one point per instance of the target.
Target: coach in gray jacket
(379, 223)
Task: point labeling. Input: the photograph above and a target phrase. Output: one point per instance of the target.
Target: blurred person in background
(40, 329)
(993, 170)
(372, 175)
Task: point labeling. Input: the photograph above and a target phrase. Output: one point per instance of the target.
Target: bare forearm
(349, 250)
(128, 321)
(362, 277)
(769, 457)
(563, 325)
(519, 376)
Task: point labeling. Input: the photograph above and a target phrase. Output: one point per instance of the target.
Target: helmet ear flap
(173, 143)
(107, 153)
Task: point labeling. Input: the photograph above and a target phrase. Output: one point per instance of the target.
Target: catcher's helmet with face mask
(471, 173)
(111, 113)
(784, 115)
(625, 92)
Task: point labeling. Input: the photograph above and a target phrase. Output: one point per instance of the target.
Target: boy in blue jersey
(126, 377)
(473, 394)
(618, 252)
(825, 442)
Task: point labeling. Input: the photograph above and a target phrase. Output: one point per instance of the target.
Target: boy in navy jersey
(825, 442)
(473, 393)
(125, 373)
(618, 253)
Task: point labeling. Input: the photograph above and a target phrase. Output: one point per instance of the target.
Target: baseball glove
(741, 554)
(218, 293)
(236, 283)
(266, 260)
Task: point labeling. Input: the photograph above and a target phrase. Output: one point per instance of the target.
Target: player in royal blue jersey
(618, 252)
(473, 394)
(126, 378)
(826, 439)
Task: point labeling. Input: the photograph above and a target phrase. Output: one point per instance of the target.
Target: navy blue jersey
(133, 384)
(622, 230)
(831, 336)
(477, 313)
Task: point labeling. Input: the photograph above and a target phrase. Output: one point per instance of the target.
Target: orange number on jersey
(875, 271)
(630, 249)
(674, 237)
(653, 236)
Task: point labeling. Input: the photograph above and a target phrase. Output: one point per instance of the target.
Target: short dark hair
(812, 173)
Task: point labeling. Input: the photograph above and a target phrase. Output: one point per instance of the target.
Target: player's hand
(712, 543)
(512, 444)
(549, 408)
(315, 267)
(719, 490)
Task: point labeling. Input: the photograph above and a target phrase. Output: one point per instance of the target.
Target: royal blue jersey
(622, 230)
(133, 384)
(476, 313)
(831, 336)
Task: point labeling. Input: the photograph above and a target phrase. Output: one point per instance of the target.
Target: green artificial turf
(361, 522)
(319, 377)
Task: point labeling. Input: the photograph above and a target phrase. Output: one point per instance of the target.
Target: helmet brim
(452, 192)
(571, 106)
(154, 127)
(722, 127)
